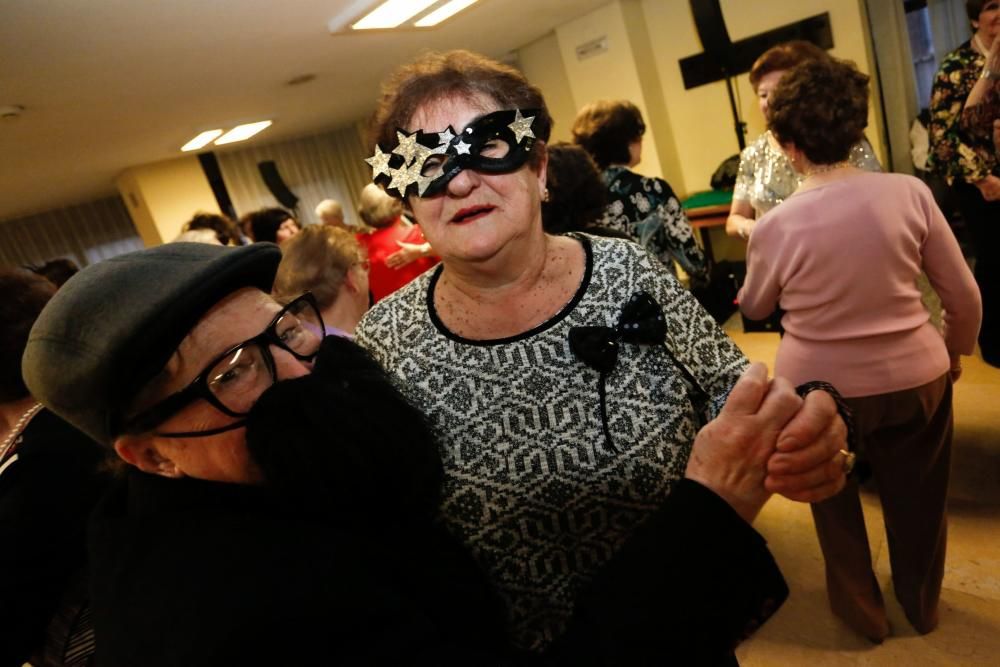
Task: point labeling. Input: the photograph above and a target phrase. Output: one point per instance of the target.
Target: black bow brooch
(641, 323)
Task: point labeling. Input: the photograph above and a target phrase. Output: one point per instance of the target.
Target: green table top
(708, 198)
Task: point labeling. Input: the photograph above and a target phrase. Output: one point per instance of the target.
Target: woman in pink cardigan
(841, 257)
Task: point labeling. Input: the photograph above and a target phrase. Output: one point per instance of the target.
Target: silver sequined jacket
(766, 177)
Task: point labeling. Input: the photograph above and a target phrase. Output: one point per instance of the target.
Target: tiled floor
(805, 632)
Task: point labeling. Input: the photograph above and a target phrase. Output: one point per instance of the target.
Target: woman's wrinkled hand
(808, 463)
(731, 453)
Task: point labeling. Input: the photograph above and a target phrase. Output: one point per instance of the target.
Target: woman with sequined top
(567, 378)
(644, 208)
(969, 161)
(765, 177)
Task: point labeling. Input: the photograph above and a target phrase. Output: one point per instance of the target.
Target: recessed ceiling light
(443, 12)
(391, 13)
(201, 140)
(241, 132)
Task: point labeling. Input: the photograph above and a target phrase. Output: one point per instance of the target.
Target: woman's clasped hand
(769, 439)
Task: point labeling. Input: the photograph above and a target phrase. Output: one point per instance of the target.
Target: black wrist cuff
(845, 412)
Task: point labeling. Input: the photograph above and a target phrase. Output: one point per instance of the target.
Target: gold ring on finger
(849, 459)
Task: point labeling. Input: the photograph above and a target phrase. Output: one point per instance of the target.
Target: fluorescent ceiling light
(241, 132)
(391, 13)
(201, 140)
(443, 12)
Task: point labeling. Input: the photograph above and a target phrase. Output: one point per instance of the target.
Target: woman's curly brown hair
(577, 195)
(822, 107)
(462, 74)
(606, 128)
(784, 56)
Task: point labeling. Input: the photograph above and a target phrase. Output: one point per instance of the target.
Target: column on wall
(162, 196)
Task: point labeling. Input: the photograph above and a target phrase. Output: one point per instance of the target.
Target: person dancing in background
(396, 248)
(644, 208)
(841, 256)
(765, 177)
(969, 163)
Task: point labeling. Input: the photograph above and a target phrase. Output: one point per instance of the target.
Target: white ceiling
(109, 84)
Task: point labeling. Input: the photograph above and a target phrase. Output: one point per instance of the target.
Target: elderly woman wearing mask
(841, 257)
(766, 178)
(566, 377)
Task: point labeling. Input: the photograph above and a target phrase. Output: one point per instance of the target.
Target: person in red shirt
(397, 249)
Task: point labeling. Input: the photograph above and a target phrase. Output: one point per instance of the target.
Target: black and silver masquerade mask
(496, 143)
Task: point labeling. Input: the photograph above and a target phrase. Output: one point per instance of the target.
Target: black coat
(201, 573)
(45, 497)
(340, 561)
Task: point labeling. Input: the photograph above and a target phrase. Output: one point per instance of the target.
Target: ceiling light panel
(241, 132)
(392, 13)
(201, 140)
(443, 13)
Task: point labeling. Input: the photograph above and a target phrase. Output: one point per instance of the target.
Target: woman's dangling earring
(545, 195)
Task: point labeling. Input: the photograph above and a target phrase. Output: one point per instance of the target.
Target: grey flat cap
(113, 326)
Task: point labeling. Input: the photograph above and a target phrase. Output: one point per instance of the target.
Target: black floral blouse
(648, 211)
(954, 153)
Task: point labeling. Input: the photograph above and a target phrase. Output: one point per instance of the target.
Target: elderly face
(223, 456)
(477, 215)
(766, 86)
(988, 24)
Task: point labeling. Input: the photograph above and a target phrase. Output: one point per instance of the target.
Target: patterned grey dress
(532, 487)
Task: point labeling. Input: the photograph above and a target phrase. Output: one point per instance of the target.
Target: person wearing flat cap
(268, 516)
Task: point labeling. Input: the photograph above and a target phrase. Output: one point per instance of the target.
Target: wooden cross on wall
(724, 59)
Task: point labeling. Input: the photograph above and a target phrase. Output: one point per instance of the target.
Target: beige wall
(690, 131)
(613, 74)
(162, 196)
(541, 61)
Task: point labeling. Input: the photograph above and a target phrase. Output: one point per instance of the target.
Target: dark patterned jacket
(648, 211)
(531, 486)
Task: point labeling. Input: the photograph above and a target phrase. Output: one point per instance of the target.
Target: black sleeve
(690, 584)
(45, 495)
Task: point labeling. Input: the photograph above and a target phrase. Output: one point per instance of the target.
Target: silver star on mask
(379, 163)
(401, 179)
(462, 148)
(521, 127)
(407, 146)
(446, 137)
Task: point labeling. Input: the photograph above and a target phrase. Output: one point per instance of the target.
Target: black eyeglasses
(234, 381)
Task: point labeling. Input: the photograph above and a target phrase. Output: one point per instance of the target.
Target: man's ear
(142, 452)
